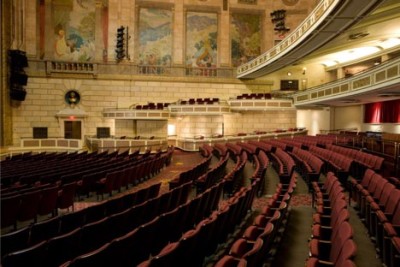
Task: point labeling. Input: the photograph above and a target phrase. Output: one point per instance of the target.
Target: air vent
(349, 101)
(358, 35)
(389, 94)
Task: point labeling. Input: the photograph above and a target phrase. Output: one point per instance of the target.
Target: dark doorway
(72, 129)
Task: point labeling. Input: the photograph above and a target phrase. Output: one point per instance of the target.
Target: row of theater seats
(255, 96)
(261, 163)
(62, 224)
(87, 230)
(212, 176)
(378, 202)
(192, 174)
(44, 169)
(335, 162)
(149, 238)
(307, 164)
(235, 178)
(362, 159)
(47, 199)
(257, 242)
(331, 241)
(283, 164)
(202, 240)
(153, 106)
(199, 101)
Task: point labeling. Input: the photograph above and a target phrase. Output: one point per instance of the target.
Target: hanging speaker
(17, 94)
(19, 78)
(18, 59)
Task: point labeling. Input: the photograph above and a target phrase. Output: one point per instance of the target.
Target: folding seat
(95, 212)
(129, 200)
(395, 252)
(168, 256)
(165, 200)
(357, 186)
(36, 255)
(94, 235)
(370, 190)
(342, 255)
(325, 219)
(390, 229)
(71, 221)
(141, 196)
(123, 249)
(44, 230)
(99, 257)
(230, 261)
(324, 232)
(15, 240)
(48, 201)
(153, 190)
(152, 209)
(118, 180)
(381, 216)
(114, 205)
(29, 206)
(66, 196)
(136, 215)
(330, 250)
(105, 185)
(9, 211)
(370, 198)
(373, 206)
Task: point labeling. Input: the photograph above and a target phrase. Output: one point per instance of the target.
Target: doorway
(72, 129)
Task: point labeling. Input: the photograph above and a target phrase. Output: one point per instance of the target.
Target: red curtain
(382, 112)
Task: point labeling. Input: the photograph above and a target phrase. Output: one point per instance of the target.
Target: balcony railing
(127, 68)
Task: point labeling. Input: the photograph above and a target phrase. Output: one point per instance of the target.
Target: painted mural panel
(201, 40)
(73, 22)
(155, 39)
(245, 38)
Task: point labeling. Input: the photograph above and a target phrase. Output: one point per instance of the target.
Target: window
(39, 132)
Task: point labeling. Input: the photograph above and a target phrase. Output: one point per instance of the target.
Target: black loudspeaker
(18, 59)
(19, 78)
(17, 94)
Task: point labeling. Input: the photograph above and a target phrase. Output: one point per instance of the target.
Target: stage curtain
(382, 112)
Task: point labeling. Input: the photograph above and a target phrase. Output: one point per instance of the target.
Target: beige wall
(314, 120)
(349, 117)
(45, 99)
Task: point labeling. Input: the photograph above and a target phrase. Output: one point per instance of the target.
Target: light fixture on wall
(304, 71)
(289, 73)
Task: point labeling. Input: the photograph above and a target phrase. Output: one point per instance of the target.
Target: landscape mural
(201, 40)
(155, 38)
(73, 22)
(245, 38)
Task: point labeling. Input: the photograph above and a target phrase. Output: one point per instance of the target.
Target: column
(224, 46)
(178, 57)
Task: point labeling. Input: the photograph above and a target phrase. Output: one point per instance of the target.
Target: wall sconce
(304, 71)
(289, 73)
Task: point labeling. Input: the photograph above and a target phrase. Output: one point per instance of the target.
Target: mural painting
(245, 38)
(201, 42)
(74, 29)
(155, 40)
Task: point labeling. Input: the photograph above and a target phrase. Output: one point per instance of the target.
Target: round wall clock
(290, 2)
(72, 97)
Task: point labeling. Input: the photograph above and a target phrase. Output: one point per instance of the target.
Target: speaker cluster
(18, 78)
